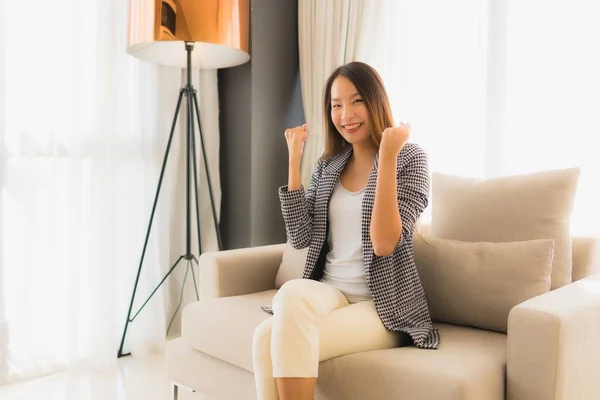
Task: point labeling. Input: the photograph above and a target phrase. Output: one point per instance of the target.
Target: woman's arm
(386, 223)
(409, 187)
(294, 181)
(297, 207)
(295, 139)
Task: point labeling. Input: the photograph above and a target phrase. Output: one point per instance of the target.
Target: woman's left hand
(393, 140)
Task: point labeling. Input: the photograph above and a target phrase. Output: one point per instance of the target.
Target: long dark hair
(371, 89)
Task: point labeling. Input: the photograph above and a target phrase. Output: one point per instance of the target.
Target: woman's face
(349, 112)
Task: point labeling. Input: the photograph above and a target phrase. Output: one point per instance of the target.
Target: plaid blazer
(392, 280)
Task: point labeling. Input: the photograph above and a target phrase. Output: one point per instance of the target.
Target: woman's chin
(354, 138)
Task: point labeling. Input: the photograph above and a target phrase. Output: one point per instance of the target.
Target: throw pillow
(509, 209)
(478, 283)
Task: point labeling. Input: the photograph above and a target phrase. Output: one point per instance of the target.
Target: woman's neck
(363, 153)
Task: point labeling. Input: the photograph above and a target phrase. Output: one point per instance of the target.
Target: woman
(361, 290)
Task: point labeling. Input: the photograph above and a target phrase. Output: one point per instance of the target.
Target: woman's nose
(347, 113)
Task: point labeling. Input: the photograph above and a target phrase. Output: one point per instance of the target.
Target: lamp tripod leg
(210, 191)
(196, 191)
(189, 267)
(194, 275)
(162, 173)
(196, 196)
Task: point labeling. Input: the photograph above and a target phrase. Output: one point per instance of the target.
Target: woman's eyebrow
(354, 95)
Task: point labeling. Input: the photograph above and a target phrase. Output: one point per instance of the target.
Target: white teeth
(354, 126)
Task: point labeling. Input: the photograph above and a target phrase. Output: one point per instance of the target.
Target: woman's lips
(352, 128)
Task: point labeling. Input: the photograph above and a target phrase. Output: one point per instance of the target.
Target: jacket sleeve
(413, 185)
(297, 208)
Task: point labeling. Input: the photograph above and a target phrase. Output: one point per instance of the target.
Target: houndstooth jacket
(392, 280)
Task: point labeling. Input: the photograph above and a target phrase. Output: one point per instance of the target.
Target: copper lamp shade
(219, 30)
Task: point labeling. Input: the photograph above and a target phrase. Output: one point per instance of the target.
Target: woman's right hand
(295, 138)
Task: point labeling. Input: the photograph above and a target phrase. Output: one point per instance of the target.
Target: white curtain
(494, 87)
(553, 96)
(83, 130)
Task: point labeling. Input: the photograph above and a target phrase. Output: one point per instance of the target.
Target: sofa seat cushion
(223, 327)
(470, 364)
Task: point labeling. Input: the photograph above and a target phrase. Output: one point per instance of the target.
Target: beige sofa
(496, 265)
(551, 350)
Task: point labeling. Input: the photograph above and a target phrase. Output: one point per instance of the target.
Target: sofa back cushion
(508, 209)
(478, 283)
(586, 256)
(292, 265)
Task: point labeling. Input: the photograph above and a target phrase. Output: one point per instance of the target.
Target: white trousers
(313, 322)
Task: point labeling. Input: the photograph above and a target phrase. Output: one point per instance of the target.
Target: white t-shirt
(344, 264)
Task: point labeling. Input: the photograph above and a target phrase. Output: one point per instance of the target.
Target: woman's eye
(358, 100)
(335, 106)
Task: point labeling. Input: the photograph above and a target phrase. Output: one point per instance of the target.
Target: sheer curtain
(433, 59)
(83, 128)
(501, 87)
(553, 96)
(496, 87)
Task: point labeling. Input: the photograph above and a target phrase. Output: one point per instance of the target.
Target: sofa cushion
(292, 265)
(586, 256)
(509, 209)
(223, 327)
(478, 283)
(470, 364)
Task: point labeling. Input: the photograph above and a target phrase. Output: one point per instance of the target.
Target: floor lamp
(190, 34)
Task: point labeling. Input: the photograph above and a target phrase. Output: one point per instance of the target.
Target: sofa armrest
(239, 271)
(553, 351)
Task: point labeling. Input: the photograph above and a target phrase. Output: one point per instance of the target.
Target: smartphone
(267, 309)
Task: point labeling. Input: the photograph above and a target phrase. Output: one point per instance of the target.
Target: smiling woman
(356, 218)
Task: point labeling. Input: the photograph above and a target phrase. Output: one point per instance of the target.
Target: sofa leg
(174, 391)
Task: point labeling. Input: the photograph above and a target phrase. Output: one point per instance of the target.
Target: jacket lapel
(338, 162)
(367, 209)
(330, 176)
